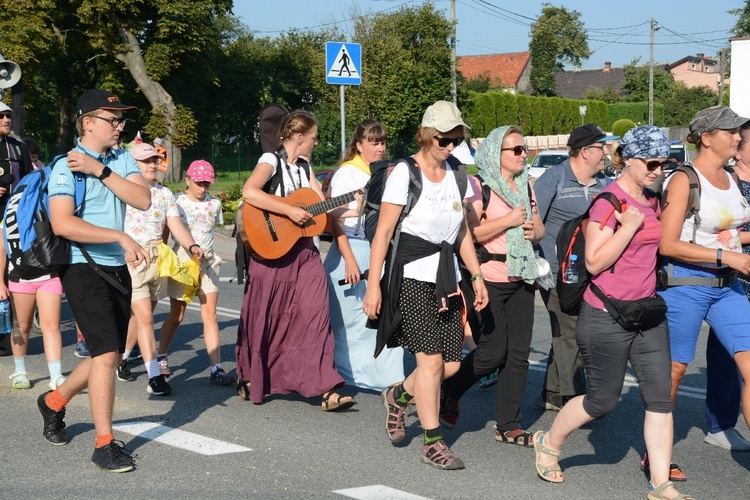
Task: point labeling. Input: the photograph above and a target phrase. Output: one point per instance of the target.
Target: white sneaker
(20, 380)
(729, 439)
(54, 384)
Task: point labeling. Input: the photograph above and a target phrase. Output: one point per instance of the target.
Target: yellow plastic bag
(187, 273)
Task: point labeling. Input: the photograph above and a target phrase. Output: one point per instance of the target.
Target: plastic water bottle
(571, 271)
(5, 325)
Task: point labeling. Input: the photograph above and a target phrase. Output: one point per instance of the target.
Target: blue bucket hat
(644, 142)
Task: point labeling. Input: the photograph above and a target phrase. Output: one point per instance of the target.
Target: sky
(618, 30)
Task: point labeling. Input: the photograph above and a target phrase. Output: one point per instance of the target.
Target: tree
(607, 94)
(557, 37)
(636, 83)
(742, 26)
(479, 84)
(685, 102)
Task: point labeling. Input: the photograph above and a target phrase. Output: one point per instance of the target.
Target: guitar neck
(325, 206)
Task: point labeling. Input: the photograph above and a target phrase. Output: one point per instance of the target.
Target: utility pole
(654, 28)
(720, 78)
(454, 89)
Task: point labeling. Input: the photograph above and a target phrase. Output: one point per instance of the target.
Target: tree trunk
(157, 96)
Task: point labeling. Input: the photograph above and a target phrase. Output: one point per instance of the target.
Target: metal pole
(722, 62)
(239, 161)
(454, 89)
(343, 123)
(654, 27)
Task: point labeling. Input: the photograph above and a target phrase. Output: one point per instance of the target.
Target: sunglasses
(517, 150)
(5, 115)
(444, 141)
(654, 164)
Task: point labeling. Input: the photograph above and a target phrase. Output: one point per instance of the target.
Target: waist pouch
(634, 315)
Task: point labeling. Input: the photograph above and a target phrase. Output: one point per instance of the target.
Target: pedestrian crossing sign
(343, 63)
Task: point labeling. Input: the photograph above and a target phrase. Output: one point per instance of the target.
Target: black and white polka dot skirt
(423, 328)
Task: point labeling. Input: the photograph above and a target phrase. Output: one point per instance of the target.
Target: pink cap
(144, 151)
(201, 171)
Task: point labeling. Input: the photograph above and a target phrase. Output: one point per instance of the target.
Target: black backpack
(571, 240)
(373, 192)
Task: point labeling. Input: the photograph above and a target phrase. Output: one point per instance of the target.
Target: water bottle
(5, 324)
(571, 271)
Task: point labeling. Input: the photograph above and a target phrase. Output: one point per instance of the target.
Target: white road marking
(179, 439)
(376, 492)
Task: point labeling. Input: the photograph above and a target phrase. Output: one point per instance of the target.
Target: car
(545, 159)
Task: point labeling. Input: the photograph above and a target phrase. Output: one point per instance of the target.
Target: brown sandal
(340, 404)
(243, 389)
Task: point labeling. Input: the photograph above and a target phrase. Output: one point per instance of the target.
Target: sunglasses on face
(444, 141)
(654, 164)
(517, 150)
(5, 115)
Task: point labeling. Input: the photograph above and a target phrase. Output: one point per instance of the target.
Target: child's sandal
(339, 404)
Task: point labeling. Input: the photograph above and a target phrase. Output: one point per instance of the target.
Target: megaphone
(10, 73)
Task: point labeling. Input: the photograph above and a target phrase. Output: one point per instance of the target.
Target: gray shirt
(560, 199)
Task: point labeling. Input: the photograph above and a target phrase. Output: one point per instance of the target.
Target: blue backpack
(32, 248)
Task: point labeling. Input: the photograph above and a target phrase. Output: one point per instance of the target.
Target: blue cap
(644, 142)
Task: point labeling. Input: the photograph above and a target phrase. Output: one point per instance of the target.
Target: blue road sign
(343, 63)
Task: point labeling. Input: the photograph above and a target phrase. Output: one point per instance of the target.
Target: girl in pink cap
(200, 212)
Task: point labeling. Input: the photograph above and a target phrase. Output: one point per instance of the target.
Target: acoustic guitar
(271, 235)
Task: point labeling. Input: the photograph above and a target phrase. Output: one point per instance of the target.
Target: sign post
(582, 110)
(343, 67)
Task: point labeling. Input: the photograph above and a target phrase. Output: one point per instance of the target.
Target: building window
(708, 70)
(692, 66)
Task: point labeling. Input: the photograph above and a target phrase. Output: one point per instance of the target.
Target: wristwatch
(105, 173)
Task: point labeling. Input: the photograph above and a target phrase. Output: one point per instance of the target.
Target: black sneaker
(113, 458)
(158, 386)
(54, 426)
(123, 372)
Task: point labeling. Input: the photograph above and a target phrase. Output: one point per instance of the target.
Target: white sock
(55, 369)
(20, 363)
(214, 368)
(126, 354)
(152, 367)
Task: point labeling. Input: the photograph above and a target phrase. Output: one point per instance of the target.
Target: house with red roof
(508, 71)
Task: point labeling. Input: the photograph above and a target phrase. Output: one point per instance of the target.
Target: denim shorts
(726, 310)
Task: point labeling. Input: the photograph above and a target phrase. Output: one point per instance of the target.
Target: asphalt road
(204, 441)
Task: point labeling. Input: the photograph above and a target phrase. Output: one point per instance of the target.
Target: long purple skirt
(285, 341)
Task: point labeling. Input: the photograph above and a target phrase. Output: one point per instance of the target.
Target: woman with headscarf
(505, 234)
(621, 251)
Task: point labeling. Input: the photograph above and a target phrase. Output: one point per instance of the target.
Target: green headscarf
(520, 252)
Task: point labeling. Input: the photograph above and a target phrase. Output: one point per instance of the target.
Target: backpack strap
(694, 196)
(459, 172)
(486, 193)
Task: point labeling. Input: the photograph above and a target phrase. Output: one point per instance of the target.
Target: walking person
(99, 306)
(506, 232)
(563, 193)
(621, 251)
(347, 259)
(420, 306)
(200, 212)
(147, 228)
(284, 340)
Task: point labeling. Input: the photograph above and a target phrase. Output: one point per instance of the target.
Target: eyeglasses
(5, 115)
(444, 141)
(115, 122)
(600, 148)
(654, 164)
(517, 150)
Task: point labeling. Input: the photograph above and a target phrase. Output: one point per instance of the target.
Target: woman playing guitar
(285, 318)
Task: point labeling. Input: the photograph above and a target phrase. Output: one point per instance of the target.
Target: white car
(545, 159)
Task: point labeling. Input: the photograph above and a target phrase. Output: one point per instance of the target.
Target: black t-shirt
(14, 159)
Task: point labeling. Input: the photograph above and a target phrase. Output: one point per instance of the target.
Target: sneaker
(164, 365)
(57, 382)
(158, 386)
(439, 455)
(728, 439)
(54, 424)
(20, 380)
(135, 354)
(394, 421)
(123, 372)
(113, 458)
(449, 410)
(220, 377)
(81, 351)
(489, 380)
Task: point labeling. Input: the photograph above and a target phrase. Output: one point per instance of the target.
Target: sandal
(656, 493)
(516, 436)
(243, 389)
(340, 404)
(20, 380)
(675, 473)
(544, 471)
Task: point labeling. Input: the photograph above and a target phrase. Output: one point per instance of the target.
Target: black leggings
(606, 349)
